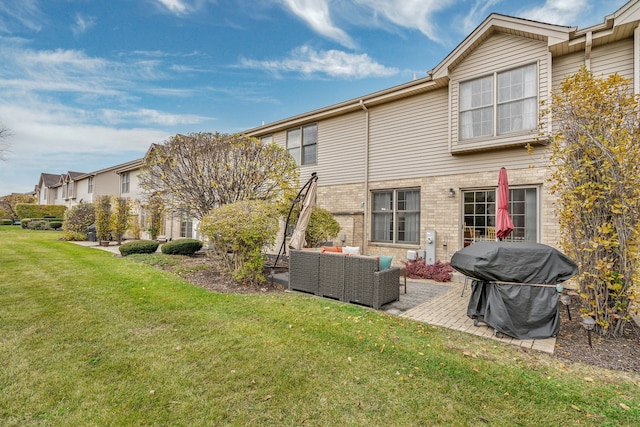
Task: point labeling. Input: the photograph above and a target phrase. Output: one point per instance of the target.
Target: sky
(89, 84)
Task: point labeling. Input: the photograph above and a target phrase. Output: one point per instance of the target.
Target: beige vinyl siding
(410, 131)
(613, 58)
(565, 66)
(500, 52)
(341, 149)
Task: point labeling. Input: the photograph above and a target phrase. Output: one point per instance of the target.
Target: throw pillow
(324, 249)
(351, 250)
(385, 262)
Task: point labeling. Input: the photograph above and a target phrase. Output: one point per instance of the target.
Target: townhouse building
(417, 164)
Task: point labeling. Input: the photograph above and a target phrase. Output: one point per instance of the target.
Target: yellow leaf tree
(595, 174)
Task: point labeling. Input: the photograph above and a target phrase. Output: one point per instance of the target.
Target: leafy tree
(243, 229)
(198, 172)
(595, 174)
(121, 217)
(322, 227)
(155, 209)
(104, 222)
(9, 203)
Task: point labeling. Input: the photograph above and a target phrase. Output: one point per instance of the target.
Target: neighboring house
(423, 157)
(45, 189)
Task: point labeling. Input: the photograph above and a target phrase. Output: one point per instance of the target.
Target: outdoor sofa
(344, 277)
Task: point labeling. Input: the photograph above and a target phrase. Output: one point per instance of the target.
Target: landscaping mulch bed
(572, 344)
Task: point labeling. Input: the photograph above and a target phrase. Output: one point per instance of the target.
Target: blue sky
(89, 84)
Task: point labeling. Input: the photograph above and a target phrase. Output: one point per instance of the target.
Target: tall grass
(90, 339)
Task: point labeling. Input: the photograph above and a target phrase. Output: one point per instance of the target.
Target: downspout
(636, 60)
(365, 203)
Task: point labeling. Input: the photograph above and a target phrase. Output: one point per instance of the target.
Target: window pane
(381, 201)
(310, 135)
(309, 154)
(293, 138)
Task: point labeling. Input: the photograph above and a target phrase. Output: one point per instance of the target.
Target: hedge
(181, 247)
(31, 210)
(6, 222)
(138, 247)
(51, 221)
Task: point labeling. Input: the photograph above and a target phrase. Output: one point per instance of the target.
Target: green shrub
(244, 228)
(25, 222)
(56, 225)
(181, 247)
(31, 210)
(78, 219)
(74, 236)
(38, 224)
(139, 247)
(6, 222)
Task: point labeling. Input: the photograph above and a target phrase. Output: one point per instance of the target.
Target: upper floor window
(395, 216)
(90, 185)
(65, 194)
(125, 180)
(70, 192)
(267, 139)
(515, 100)
(302, 143)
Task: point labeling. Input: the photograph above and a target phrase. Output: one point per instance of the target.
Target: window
(302, 144)
(125, 179)
(70, 193)
(479, 211)
(90, 185)
(186, 228)
(395, 216)
(267, 139)
(516, 103)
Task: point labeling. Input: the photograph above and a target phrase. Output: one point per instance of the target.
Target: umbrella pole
(283, 247)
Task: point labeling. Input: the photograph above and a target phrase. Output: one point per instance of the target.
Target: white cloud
(416, 14)
(335, 63)
(82, 24)
(149, 117)
(478, 12)
(316, 13)
(175, 6)
(560, 12)
(24, 12)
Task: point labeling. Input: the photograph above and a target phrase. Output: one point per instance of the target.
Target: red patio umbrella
(504, 225)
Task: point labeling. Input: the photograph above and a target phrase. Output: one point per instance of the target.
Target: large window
(395, 216)
(515, 101)
(186, 228)
(90, 185)
(479, 211)
(302, 144)
(125, 180)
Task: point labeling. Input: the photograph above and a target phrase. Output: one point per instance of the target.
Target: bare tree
(4, 144)
(200, 171)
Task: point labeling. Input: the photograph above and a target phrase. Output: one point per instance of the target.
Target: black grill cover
(520, 310)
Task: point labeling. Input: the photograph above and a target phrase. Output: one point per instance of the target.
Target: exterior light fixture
(589, 324)
(566, 300)
(452, 193)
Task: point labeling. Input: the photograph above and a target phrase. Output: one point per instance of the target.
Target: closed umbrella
(504, 225)
(297, 238)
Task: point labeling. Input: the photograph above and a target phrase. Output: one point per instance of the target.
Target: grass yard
(89, 339)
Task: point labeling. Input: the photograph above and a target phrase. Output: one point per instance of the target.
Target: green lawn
(88, 339)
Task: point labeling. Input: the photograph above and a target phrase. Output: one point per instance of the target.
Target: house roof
(48, 179)
(560, 39)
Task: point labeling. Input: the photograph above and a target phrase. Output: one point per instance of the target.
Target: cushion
(385, 262)
(324, 249)
(351, 250)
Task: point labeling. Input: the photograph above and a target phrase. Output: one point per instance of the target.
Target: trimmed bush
(30, 210)
(74, 236)
(56, 224)
(138, 247)
(39, 224)
(181, 247)
(6, 222)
